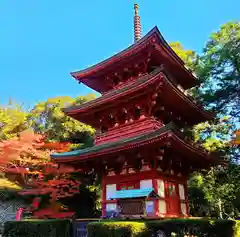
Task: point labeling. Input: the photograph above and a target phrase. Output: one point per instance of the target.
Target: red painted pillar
(166, 197)
(156, 202)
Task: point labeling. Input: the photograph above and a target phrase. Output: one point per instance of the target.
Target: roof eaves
(112, 145)
(134, 193)
(168, 47)
(80, 73)
(111, 94)
(170, 130)
(208, 114)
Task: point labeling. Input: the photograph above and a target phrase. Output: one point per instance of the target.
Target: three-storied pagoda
(140, 149)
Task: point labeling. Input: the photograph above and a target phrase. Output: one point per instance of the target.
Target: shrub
(171, 227)
(237, 229)
(117, 229)
(38, 228)
(196, 227)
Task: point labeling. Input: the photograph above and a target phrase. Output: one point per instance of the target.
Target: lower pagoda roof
(167, 133)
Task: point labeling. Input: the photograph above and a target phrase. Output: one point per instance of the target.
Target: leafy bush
(196, 227)
(117, 229)
(38, 228)
(171, 227)
(237, 229)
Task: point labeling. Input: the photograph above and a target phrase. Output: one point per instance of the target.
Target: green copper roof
(120, 143)
(134, 193)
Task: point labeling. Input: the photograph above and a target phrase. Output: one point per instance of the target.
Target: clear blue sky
(42, 41)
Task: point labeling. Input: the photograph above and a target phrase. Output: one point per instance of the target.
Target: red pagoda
(140, 148)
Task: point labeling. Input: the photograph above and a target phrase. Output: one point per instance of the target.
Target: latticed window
(131, 187)
(110, 191)
(132, 206)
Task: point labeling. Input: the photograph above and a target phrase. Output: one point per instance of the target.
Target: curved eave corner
(83, 74)
(80, 73)
(75, 77)
(210, 114)
(206, 115)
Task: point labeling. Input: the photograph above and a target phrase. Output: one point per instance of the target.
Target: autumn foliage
(236, 138)
(26, 159)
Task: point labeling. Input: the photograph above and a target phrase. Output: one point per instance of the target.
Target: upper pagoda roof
(93, 76)
(82, 112)
(167, 132)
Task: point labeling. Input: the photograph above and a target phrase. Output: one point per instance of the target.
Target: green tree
(213, 135)
(13, 120)
(47, 117)
(220, 71)
(215, 192)
(188, 56)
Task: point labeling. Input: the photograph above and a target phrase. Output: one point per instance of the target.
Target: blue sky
(42, 41)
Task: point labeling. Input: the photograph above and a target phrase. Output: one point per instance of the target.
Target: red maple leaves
(28, 158)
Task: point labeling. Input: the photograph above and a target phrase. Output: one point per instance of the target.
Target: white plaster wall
(110, 190)
(147, 183)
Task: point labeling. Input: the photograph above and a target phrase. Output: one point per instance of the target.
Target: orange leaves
(56, 188)
(57, 146)
(9, 150)
(22, 149)
(17, 170)
(236, 138)
(29, 156)
(54, 169)
(30, 150)
(36, 191)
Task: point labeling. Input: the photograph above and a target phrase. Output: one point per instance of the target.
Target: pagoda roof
(81, 112)
(134, 193)
(168, 132)
(89, 75)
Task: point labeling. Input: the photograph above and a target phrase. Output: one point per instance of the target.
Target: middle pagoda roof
(171, 95)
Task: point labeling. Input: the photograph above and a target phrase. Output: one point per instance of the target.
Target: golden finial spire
(137, 24)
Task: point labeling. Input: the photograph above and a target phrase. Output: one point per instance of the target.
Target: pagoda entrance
(173, 199)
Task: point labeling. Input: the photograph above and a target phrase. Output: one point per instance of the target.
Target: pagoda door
(173, 199)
